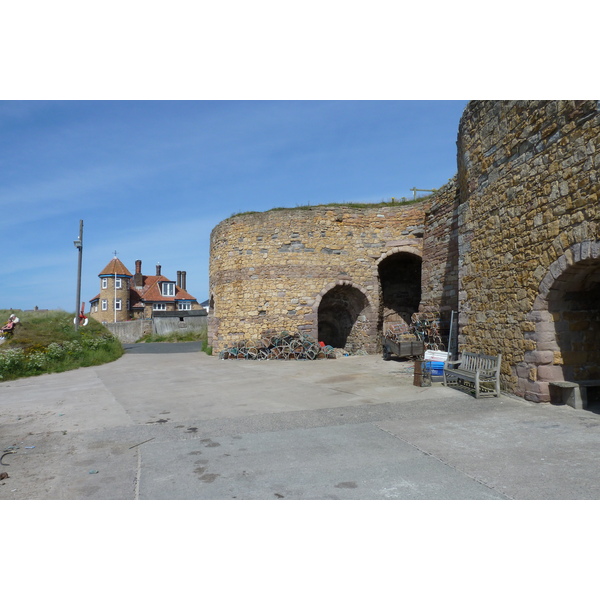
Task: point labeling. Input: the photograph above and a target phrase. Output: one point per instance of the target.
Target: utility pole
(115, 289)
(79, 245)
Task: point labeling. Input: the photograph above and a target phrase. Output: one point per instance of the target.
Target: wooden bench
(481, 369)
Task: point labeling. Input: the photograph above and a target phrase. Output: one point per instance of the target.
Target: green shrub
(48, 343)
(11, 359)
(55, 351)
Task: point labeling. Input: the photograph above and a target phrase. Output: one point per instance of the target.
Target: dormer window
(168, 289)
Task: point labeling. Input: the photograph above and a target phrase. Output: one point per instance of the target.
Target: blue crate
(436, 368)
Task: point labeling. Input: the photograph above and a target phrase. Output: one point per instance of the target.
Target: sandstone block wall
(528, 231)
(275, 271)
(440, 251)
(512, 243)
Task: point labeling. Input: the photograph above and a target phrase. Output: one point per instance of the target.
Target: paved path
(169, 424)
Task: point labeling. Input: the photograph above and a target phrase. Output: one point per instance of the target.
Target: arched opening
(567, 325)
(342, 322)
(400, 284)
(574, 303)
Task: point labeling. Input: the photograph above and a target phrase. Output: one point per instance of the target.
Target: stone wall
(179, 321)
(528, 239)
(296, 269)
(440, 251)
(512, 243)
(129, 332)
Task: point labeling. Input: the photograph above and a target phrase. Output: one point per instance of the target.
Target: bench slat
(478, 368)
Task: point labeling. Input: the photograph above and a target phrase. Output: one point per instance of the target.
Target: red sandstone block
(543, 357)
(545, 331)
(550, 373)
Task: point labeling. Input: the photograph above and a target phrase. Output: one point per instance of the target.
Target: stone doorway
(345, 319)
(567, 325)
(400, 287)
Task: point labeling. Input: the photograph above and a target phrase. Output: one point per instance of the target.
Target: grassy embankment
(349, 205)
(46, 342)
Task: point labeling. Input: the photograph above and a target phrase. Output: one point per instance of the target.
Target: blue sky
(153, 123)
(151, 179)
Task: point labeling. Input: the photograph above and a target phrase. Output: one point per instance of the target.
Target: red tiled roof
(115, 266)
(151, 291)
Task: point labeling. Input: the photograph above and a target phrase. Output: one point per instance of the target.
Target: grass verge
(46, 342)
(395, 202)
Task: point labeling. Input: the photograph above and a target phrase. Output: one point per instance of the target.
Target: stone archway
(565, 325)
(345, 318)
(399, 274)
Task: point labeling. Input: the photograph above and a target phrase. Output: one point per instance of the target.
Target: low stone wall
(181, 322)
(129, 332)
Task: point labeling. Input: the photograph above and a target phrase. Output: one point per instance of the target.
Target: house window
(168, 289)
(117, 305)
(104, 283)
(185, 306)
(104, 304)
(160, 306)
(118, 284)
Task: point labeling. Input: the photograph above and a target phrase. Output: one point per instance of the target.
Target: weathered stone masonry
(512, 243)
(440, 251)
(528, 240)
(311, 269)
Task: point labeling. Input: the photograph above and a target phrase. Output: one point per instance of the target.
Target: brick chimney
(178, 279)
(184, 280)
(138, 280)
(157, 269)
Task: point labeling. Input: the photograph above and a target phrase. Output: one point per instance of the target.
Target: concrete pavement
(183, 425)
